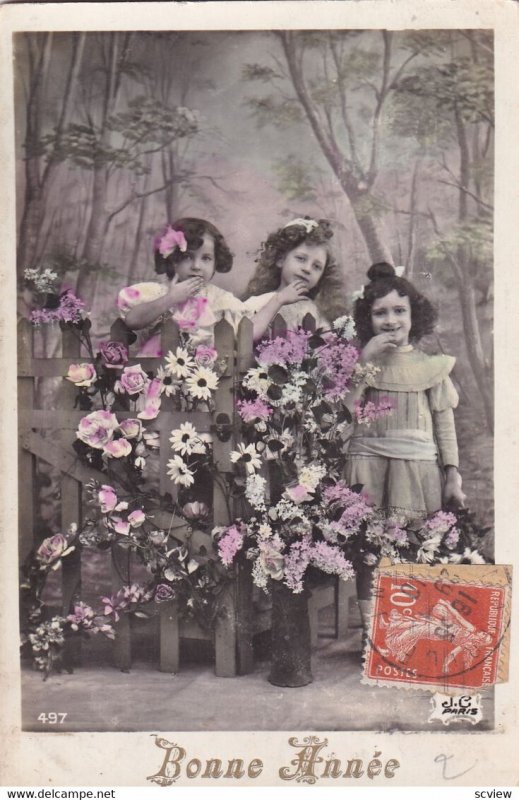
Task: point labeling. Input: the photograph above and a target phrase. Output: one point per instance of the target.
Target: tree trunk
(36, 184)
(95, 237)
(475, 347)
(360, 199)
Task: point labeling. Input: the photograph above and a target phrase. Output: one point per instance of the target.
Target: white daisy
(179, 364)
(248, 456)
(185, 440)
(179, 472)
(168, 385)
(258, 380)
(201, 383)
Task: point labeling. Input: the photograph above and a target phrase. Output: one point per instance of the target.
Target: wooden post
(244, 607)
(120, 568)
(169, 628)
(226, 622)
(26, 461)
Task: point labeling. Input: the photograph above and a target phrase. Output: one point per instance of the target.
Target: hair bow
(399, 272)
(358, 294)
(166, 243)
(308, 224)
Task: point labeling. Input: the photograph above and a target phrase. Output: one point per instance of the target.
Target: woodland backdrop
(389, 134)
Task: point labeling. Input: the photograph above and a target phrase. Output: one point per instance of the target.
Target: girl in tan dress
(407, 461)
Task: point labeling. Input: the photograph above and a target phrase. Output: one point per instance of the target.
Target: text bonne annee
(307, 766)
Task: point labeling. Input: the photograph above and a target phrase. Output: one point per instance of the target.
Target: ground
(97, 697)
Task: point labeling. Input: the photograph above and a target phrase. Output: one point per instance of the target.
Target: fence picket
(26, 460)
(233, 631)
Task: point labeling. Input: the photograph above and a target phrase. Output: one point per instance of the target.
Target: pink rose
(131, 428)
(163, 592)
(195, 510)
(107, 499)
(272, 561)
(120, 525)
(299, 493)
(52, 549)
(133, 380)
(152, 400)
(81, 374)
(97, 428)
(113, 354)
(117, 448)
(205, 355)
(136, 518)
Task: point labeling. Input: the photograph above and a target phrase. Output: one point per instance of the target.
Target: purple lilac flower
(230, 543)
(297, 559)
(331, 560)
(366, 413)
(290, 349)
(253, 410)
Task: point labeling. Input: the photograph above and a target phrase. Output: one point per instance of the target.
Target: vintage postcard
(259, 444)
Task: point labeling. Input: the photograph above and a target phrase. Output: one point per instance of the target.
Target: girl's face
(392, 314)
(306, 262)
(198, 263)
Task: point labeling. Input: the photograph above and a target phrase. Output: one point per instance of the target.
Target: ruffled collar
(407, 369)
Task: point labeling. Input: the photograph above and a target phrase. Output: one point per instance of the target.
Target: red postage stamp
(442, 628)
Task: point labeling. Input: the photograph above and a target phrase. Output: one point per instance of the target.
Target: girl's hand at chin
(180, 292)
(294, 291)
(378, 346)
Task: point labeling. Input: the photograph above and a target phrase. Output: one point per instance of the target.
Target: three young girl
(407, 461)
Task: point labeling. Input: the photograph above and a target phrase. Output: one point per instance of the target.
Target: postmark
(443, 628)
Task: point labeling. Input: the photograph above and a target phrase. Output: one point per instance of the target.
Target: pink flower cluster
(99, 429)
(253, 410)
(366, 413)
(84, 618)
(230, 544)
(441, 522)
(297, 559)
(124, 598)
(70, 309)
(355, 507)
(290, 349)
(331, 560)
(337, 360)
(110, 503)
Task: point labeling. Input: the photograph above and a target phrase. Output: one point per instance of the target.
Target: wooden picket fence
(236, 624)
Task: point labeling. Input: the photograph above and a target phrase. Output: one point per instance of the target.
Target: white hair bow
(308, 224)
(400, 272)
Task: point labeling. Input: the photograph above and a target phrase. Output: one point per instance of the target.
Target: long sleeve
(443, 398)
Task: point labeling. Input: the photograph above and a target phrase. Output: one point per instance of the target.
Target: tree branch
(448, 255)
(344, 107)
(461, 188)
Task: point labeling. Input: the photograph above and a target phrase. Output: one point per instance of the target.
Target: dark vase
(291, 644)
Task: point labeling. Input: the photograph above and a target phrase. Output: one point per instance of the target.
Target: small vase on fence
(291, 644)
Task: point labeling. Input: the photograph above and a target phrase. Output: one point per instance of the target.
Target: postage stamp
(443, 628)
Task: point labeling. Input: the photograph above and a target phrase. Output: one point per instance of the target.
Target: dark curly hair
(329, 294)
(194, 230)
(383, 280)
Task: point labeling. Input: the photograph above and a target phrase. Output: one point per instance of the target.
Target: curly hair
(194, 230)
(383, 280)
(329, 294)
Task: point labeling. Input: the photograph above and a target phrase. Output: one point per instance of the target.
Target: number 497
(53, 717)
